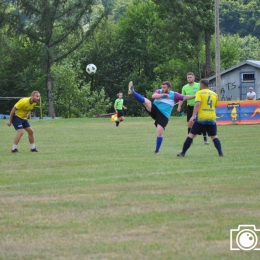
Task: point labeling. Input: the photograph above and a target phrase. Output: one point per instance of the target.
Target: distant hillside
(240, 17)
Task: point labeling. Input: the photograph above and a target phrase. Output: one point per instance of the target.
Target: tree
(73, 97)
(240, 16)
(50, 23)
(191, 23)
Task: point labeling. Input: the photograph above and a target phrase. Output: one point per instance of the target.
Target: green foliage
(239, 16)
(143, 40)
(120, 8)
(20, 68)
(73, 97)
(52, 24)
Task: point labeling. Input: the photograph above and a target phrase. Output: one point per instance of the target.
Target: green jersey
(190, 90)
(119, 104)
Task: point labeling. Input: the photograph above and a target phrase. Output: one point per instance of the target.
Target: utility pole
(217, 49)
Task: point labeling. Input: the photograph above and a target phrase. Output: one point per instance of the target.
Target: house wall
(231, 83)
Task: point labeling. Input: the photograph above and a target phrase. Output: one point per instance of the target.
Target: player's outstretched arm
(187, 97)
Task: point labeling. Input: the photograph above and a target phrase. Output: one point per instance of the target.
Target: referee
(190, 89)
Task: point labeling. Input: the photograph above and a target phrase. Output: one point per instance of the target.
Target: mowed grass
(95, 191)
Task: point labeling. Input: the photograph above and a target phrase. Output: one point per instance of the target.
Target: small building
(235, 81)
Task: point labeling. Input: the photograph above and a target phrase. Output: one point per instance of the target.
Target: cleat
(130, 88)
(34, 150)
(156, 152)
(221, 154)
(14, 151)
(180, 154)
(206, 142)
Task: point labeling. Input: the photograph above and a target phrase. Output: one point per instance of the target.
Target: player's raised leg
(146, 102)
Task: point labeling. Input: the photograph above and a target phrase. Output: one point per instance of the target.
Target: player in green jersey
(118, 106)
(190, 89)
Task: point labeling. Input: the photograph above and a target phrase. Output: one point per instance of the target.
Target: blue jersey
(165, 105)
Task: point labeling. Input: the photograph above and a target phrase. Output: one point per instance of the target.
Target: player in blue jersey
(160, 110)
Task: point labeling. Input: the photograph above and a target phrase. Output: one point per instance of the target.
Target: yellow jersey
(23, 107)
(208, 102)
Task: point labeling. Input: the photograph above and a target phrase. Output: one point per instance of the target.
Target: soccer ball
(91, 69)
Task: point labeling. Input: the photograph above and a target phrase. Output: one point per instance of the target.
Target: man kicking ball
(160, 110)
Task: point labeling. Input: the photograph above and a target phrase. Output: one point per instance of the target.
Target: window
(248, 77)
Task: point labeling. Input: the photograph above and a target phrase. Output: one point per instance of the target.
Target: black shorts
(189, 112)
(158, 116)
(197, 128)
(19, 123)
(120, 113)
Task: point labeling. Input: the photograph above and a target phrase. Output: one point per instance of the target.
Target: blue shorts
(197, 128)
(19, 123)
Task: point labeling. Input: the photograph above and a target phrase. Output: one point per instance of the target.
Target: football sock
(158, 143)
(117, 123)
(186, 145)
(138, 97)
(188, 130)
(14, 146)
(33, 146)
(217, 145)
(204, 134)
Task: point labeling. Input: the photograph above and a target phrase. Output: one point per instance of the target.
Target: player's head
(120, 95)
(190, 77)
(204, 83)
(35, 96)
(166, 86)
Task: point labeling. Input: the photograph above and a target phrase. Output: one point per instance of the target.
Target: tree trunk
(49, 90)
(208, 70)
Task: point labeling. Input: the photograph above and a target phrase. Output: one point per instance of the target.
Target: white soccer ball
(91, 69)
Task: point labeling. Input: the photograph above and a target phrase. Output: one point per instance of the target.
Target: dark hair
(190, 73)
(167, 83)
(204, 82)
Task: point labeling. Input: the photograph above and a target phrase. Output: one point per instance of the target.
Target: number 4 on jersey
(209, 101)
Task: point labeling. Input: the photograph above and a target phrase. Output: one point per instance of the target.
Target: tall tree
(240, 16)
(50, 23)
(192, 23)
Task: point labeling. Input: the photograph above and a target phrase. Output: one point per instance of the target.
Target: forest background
(46, 45)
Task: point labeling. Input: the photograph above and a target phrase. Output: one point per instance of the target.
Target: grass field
(95, 191)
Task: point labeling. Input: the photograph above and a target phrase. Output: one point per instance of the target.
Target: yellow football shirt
(23, 107)
(208, 102)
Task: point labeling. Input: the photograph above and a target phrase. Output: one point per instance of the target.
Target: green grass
(98, 192)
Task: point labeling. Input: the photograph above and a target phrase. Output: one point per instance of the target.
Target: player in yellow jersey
(204, 116)
(18, 117)
(190, 89)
